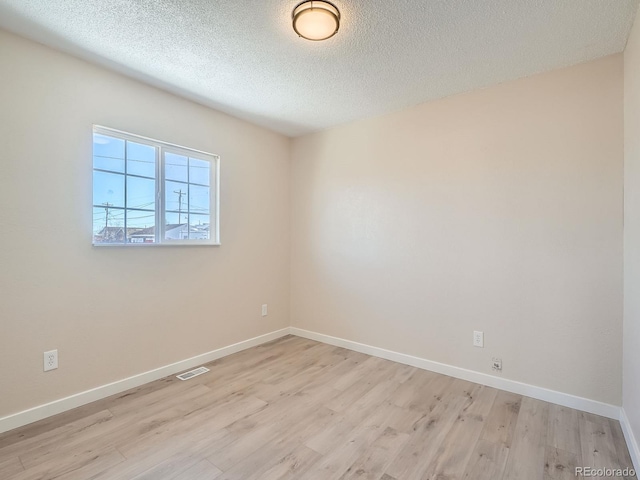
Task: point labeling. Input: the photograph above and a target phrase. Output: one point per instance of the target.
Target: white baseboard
(552, 396)
(632, 442)
(58, 406)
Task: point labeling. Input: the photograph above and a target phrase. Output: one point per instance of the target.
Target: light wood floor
(297, 409)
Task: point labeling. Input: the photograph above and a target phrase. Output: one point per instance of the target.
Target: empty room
(345, 239)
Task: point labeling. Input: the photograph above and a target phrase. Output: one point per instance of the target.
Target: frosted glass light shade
(316, 20)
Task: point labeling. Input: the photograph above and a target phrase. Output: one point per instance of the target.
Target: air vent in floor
(192, 373)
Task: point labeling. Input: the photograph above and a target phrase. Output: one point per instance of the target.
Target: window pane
(108, 153)
(175, 195)
(106, 146)
(141, 160)
(108, 164)
(199, 171)
(174, 230)
(141, 226)
(99, 220)
(199, 227)
(198, 199)
(175, 167)
(171, 218)
(107, 225)
(141, 193)
(108, 189)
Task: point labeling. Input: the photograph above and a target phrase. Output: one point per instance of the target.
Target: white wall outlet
(496, 364)
(50, 360)
(264, 310)
(478, 339)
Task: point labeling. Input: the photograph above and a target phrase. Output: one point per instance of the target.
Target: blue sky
(109, 186)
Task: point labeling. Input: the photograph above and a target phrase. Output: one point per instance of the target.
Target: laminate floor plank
(184, 448)
(267, 435)
(244, 462)
(53, 436)
(292, 465)
(303, 410)
(84, 463)
(562, 432)
(203, 470)
(325, 440)
(560, 464)
(428, 433)
(373, 462)
(528, 451)
(487, 462)
(598, 444)
(502, 419)
(427, 394)
(415, 386)
(56, 423)
(456, 449)
(10, 466)
(361, 388)
(348, 448)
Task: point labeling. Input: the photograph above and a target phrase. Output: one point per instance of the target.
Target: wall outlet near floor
(264, 310)
(496, 364)
(478, 339)
(50, 360)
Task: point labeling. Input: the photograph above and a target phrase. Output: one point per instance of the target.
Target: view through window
(150, 192)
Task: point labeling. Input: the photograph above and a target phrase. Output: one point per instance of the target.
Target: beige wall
(499, 210)
(631, 364)
(115, 312)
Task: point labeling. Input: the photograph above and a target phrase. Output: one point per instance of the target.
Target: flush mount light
(316, 20)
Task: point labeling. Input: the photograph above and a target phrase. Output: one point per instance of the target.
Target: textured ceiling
(242, 57)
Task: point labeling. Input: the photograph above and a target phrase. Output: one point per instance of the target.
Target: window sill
(155, 245)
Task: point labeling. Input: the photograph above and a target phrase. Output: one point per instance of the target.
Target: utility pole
(180, 193)
(106, 217)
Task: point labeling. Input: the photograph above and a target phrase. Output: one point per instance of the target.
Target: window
(150, 192)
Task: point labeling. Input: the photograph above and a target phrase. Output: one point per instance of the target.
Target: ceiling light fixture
(316, 20)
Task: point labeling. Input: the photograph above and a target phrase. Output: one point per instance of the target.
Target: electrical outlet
(264, 310)
(496, 364)
(50, 360)
(478, 339)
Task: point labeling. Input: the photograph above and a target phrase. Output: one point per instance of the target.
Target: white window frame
(161, 148)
